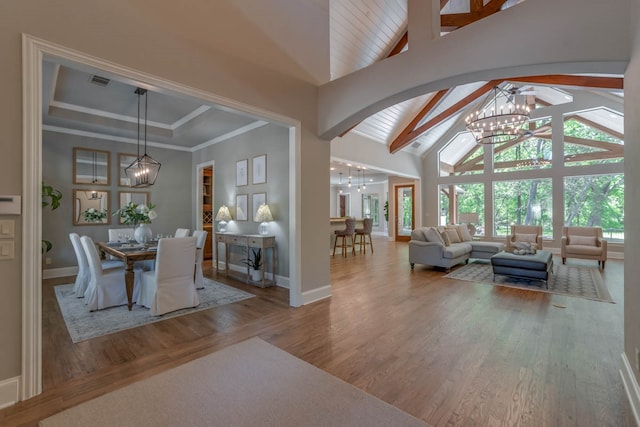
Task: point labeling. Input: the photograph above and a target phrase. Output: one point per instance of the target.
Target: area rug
(568, 280)
(248, 384)
(83, 324)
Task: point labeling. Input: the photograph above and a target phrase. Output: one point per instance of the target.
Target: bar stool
(362, 233)
(349, 231)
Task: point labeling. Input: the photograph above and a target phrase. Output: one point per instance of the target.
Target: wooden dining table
(129, 254)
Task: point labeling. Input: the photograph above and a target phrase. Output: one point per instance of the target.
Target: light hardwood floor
(448, 352)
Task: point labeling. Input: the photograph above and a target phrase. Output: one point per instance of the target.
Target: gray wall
(171, 193)
(273, 141)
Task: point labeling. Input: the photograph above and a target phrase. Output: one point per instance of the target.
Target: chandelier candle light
(144, 169)
(223, 216)
(263, 215)
(499, 120)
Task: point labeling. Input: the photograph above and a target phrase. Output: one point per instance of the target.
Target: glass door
(404, 212)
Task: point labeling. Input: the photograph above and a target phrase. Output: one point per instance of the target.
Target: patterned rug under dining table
(129, 254)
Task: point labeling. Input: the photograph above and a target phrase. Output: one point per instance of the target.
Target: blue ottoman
(537, 266)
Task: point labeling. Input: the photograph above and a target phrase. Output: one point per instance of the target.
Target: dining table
(130, 253)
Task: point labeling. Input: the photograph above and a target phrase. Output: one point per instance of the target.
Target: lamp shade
(223, 214)
(263, 214)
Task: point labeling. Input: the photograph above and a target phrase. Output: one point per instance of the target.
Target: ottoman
(537, 266)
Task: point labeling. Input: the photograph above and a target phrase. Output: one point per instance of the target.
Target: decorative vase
(256, 275)
(142, 233)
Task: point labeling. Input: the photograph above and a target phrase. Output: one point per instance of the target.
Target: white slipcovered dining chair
(171, 286)
(106, 287)
(201, 238)
(120, 234)
(82, 279)
(182, 232)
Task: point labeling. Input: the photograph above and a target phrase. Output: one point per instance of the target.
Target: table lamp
(469, 218)
(223, 216)
(263, 215)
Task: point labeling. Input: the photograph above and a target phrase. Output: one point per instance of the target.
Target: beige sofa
(428, 246)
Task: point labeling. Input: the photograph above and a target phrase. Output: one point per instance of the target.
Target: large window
(523, 202)
(588, 143)
(596, 200)
(462, 199)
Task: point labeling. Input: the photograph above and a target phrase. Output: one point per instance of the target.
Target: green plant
(256, 262)
(386, 211)
(50, 197)
(135, 214)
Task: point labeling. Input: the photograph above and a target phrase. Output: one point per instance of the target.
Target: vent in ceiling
(415, 145)
(99, 80)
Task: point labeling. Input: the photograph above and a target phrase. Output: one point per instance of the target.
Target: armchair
(584, 242)
(525, 233)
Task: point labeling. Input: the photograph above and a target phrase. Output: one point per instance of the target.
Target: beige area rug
(582, 282)
(83, 324)
(248, 384)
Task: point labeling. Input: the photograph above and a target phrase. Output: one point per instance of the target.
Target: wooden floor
(448, 352)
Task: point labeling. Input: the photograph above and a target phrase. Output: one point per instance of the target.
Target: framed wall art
(259, 169)
(241, 173)
(242, 206)
(257, 200)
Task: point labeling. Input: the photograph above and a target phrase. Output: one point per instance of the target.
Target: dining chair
(201, 238)
(182, 232)
(171, 286)
(106, 287)
(362, 233)
(84, 275)
(120, 234)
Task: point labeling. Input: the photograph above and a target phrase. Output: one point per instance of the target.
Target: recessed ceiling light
(332, 168)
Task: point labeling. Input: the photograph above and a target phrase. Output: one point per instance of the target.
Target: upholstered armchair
(584, 242)
(526, 234)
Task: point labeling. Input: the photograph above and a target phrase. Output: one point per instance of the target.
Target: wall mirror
(90, 166)
(124, 160)
(91, 207)
(126, 197)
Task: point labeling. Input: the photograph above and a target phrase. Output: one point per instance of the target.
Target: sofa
(447, 246)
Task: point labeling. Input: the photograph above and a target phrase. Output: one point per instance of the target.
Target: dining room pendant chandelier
(500, 118)
(144, 169)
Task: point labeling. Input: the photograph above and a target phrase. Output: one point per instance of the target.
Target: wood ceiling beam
(567, 80)
(433, 102)
(457, 20)
(402, 141)
(603, 145)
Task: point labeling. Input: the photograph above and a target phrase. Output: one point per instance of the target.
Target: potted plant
(386, 211)
(255, 264)
(138, 215)
(50, 197)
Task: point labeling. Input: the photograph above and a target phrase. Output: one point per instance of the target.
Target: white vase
(142, 234)
(256, 275)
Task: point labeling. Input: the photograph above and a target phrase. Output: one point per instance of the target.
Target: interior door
(405, 211)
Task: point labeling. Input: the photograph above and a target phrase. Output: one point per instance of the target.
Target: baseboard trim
(281, 281)
(9, 392)
(316, 295)
(54, 273)
(631, 387)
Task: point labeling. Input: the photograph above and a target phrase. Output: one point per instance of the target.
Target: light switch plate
(7, 229)
(6, 249)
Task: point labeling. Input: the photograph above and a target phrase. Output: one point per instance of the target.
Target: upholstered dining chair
(201, 238)
(525, 234)
(84, 275)
(363, 233)
(348, 232)
(106, 287)
(182, 232)
(120, 234)
(171, 286)
(585, 243)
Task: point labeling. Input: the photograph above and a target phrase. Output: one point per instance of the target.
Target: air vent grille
(99, 80)
(415, 144)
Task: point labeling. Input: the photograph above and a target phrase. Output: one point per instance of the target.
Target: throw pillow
(529, 238)
(465, 236)
(445, 237)
(432, 235)
(582, 240)
(453, 235)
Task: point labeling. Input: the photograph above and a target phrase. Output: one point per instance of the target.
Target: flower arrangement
(93, 215)
(134, 214)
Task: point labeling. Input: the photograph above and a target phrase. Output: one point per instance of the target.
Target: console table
(248, 241)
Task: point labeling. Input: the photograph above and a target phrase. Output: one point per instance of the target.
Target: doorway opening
(405, 212)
